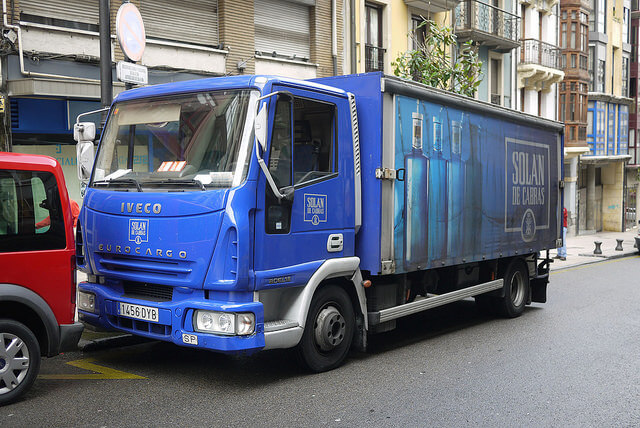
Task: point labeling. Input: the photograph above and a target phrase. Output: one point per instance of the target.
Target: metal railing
(475, 15)
(538, 52)
(373, 58)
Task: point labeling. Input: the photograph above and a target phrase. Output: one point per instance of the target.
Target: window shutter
(282, 27)
(187, 21)
(69, 10)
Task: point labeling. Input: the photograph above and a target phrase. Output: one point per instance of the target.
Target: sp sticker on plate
(138, 230)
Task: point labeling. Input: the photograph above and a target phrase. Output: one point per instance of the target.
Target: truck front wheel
(328, 331)
(19, 360)
(516, 290)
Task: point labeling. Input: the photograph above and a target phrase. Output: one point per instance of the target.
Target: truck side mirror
(84, 153)
(260, 127)
(84, 131)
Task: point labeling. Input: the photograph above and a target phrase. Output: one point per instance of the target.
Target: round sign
(130, 31)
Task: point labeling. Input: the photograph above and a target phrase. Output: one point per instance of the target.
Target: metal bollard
(597, 250)
(619, 246)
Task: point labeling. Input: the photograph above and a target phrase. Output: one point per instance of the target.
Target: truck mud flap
(539, 288)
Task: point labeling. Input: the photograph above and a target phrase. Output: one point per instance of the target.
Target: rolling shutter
(187, 21)
(69, 10)
(282, 27)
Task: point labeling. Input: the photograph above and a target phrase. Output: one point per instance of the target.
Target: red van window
(31, 216)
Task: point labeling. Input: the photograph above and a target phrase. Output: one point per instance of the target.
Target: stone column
(570, 194)
(591, 197)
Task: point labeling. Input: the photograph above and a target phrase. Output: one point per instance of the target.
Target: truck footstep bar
(431, 302)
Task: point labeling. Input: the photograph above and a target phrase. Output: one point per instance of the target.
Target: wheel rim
(329, 328)
(517, 288)
(14, 362)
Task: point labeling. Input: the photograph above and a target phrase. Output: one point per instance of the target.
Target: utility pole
(106, 79)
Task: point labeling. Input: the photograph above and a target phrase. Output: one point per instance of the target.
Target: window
(623, 130)
(592, 16)
(302, 152)
(602, 16)
(31, 216)
(573, 60)
(186, 21)
(563, 36)
(282, 29)
(496, 80)
(562, 107)
(574, 36)
(600, 77)
(312, 155)
(625, 76)
(374, 53)
(75, 14)
(626, 20)
(572, 107)
(418, 32)
(590, 61)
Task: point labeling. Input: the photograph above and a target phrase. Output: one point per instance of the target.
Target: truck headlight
(86, 301)
(227, 323)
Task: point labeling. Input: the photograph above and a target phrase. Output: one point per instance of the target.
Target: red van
(37, 270)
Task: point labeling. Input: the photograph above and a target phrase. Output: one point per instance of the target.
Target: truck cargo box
(447, 179)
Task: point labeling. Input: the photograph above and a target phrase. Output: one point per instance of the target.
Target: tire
(516, 290)
(328, 331)
(19, 360)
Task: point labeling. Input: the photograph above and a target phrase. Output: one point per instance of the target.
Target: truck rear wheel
(516, 290)
(19, 360)
(328, 331)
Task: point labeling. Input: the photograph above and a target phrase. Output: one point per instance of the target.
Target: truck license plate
(138, 312)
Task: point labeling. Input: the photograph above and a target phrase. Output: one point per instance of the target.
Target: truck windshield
(189, 141)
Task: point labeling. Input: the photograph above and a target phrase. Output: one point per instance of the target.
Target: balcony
(540, 65)
(373, 58)
(538, 52)
(434, 6)
(491, 26)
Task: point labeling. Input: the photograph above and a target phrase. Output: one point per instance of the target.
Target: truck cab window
(314, 142)
(280, 154)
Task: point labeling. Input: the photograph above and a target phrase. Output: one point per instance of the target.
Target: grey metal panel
(69, 10)
(282, 27)
(387, 193)
(399, 86)
(188, 21)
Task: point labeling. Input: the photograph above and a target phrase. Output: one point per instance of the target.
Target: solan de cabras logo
(138, 230)
(315, 209)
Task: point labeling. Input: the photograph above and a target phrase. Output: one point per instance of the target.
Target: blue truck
(244, 213)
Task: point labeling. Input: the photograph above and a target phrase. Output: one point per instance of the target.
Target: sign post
(132, 39)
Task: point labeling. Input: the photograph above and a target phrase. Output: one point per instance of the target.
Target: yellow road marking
(594, 263)
(87, 364)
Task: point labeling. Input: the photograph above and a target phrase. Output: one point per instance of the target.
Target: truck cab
(37, 279)
(194, 233)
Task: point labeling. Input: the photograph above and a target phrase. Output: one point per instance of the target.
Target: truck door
(296, 234)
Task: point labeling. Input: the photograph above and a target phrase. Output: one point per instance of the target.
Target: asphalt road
(574, 361)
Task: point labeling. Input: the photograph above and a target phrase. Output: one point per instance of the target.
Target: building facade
(50, 56)
(602, 202)
(573, 93)
(632, 214)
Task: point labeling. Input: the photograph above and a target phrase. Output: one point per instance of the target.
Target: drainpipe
(354, 46)
(21, 54)
(334, 37)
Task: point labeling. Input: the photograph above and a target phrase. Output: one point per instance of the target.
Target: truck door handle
(335, 243)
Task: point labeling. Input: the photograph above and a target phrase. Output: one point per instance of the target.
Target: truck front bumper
(175, 320)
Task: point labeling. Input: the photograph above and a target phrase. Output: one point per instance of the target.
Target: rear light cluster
(79, 246)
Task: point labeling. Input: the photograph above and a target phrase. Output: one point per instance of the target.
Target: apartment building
(632, 194)
(50, 55)
(602, 202)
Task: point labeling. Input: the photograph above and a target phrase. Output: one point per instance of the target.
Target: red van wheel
(19, 360)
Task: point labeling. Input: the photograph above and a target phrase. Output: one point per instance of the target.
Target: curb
(598, 259)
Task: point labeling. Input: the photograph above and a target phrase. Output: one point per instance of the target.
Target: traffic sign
(132, 73)
(130, 31)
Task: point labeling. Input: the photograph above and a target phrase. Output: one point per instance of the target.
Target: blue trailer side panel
(480, 182)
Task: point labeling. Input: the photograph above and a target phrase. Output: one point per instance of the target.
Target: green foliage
(430, 63)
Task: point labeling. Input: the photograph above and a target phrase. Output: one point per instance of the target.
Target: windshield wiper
(121, 181)
(183, 181)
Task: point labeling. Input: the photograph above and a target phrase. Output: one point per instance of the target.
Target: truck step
(279, 325)
(403, 310)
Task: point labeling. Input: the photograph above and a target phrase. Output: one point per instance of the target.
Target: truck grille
(137, 326)
(137, 266)
(153, 292)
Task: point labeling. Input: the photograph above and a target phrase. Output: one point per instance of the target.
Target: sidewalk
(580, 248)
